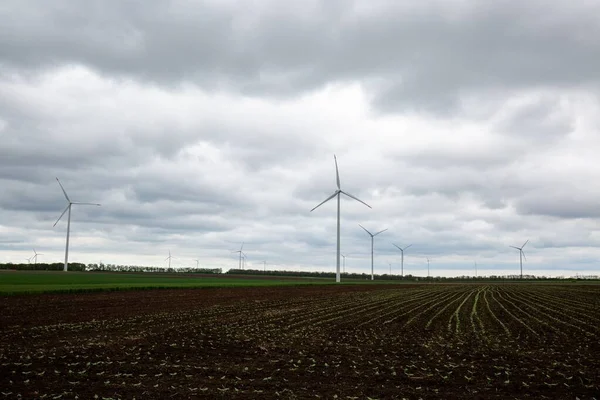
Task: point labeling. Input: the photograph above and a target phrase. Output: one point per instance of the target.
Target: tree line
(101, 267)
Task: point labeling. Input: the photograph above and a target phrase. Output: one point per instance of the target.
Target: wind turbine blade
(355, 198)
(326, 200)
(408, 246)
(337, 172)
(86, 204)
(522, 252)
(380, 232)
(515, 247)
(525, 243)
(63, 189)
(399, 248)
(61, 215)
(365, 229)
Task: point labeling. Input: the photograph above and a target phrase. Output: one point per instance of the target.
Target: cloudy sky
(468, 126)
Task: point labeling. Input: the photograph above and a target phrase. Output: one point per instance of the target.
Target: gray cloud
(410, 57)
(467, 127)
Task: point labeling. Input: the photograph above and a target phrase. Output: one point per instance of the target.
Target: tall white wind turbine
(338, 194)
(372, 241)
(521, 255)
(69, 221)
(402, 263)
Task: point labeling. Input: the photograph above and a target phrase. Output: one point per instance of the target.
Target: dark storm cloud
(409, 56)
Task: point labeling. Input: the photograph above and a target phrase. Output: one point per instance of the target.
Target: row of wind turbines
(338, 194)
(242, 256)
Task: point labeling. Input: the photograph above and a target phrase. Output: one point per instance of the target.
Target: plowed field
(392, 342)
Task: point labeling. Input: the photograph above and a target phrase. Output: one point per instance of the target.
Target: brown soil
(417, 341)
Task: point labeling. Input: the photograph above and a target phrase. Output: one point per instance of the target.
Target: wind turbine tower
(521, 255)
(428, 267)
(338, 194)
(402, 263)
(372, 242)
(241, 254)
(70, 203)
(169, 258)
(35, 256)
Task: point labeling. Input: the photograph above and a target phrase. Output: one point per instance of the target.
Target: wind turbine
(69, 221)
(197, 262)
(372, 241)
(264, 266)
(521, 255)
(428, 267)
(241, 253)
(35, 256)
(338, 194)
(169, 258)
(402, 251)
(475, 269)
(344, 264)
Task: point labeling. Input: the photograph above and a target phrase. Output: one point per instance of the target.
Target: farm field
(351, 341)
(58, 281)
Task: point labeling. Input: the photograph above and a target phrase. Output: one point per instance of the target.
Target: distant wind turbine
(372, 242)
(35, 256)
(338, 194)
(475, 269)
(402, 263)
(264, 266)
(69, 221)
(197, 263)
(428, 267)
(521, 255)
(169, 258)
(344, 264)
(241, 254)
